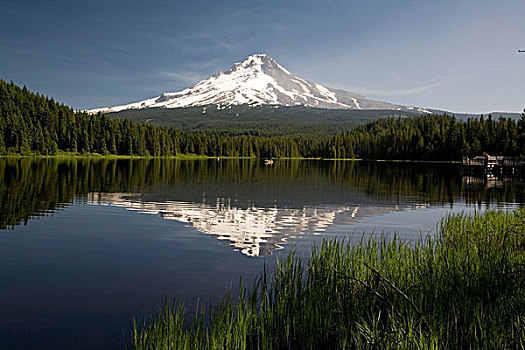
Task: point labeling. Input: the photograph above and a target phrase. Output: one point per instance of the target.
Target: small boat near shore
(268, 161)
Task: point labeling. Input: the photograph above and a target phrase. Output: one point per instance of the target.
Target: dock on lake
(494, 165)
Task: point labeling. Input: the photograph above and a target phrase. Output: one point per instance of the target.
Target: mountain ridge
(260, 80)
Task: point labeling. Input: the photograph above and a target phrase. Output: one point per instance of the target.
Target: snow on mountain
(258, 80)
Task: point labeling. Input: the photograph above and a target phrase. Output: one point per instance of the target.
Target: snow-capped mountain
(259, 80)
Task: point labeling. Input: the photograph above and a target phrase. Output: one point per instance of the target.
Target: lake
(88, 244)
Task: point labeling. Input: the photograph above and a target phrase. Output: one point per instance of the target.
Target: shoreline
(203, 157)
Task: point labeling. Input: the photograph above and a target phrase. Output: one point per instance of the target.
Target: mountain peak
(260, 61)
(256, 58)
(258, 80)
(252, 61)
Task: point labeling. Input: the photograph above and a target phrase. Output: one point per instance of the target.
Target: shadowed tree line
(34, 124)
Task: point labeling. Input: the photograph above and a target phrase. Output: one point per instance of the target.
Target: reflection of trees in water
(31, 187)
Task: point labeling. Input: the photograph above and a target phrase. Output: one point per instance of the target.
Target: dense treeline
(431, 137)
(34, 124)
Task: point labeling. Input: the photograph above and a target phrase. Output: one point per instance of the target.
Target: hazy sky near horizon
(454, 55)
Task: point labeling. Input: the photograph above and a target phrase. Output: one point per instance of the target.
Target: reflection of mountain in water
(32, 187)
(255, 231)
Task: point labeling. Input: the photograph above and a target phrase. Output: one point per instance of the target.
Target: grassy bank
(463, 289)
(189, 156)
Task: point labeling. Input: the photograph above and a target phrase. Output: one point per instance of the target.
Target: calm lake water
(85, 245)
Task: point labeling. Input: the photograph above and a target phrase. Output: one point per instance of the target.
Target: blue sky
(455, 55)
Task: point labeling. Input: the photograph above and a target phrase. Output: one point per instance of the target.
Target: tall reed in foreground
(463, 289)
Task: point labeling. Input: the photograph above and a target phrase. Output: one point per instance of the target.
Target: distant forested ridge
(34, 124)
(260, 120)
(270, 120)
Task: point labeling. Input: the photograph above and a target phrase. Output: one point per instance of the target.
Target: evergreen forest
(33, 124)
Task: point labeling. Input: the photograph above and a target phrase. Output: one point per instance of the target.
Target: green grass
(463, 289)
(191, 156)
(61, 154)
